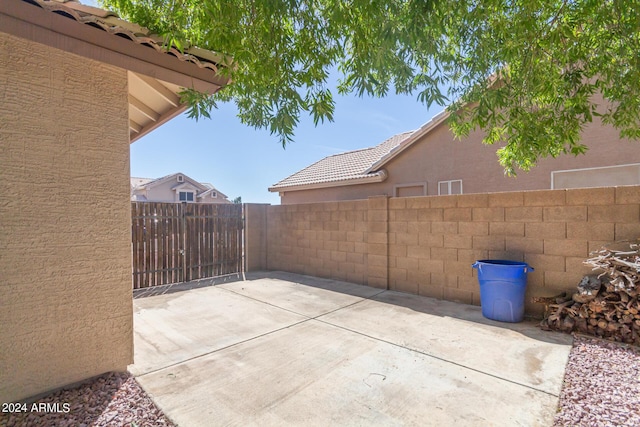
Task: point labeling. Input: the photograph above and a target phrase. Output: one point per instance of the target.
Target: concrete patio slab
(176, 327)
(519, 352)
(373, 358)
(316, 297)
(318, 374)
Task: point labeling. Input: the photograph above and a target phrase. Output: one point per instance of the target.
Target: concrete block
(565, 214)
(378, 249)
(562, 280)
(331, 226)
(591, 230)
(377, 238)
(524, 245)
(406, 238)
(444, 227)
(614, 213)
(397, 203)
(377, 227)
(469, 256)
(431, 266)
(523, 214)
(545, 198)
(457, 214)
(405, 215)
(506, 228)
(629, 231)
(488, 214)
(355, 236)
(473, 200)
(430, 214)
(576, 265)
(458, 268)
(377, 261)
(508, 199)
(355, 258)
(508, 255)
(330, 245)
(361, 248)
(469, 283)
(546, 230)
(444, 201)
(591, 196)
(566, 248)
(444, 254)
(397, 227)
(431, 240)
(377, 282)
(490, 243)
(396, 250)
(338, 256)
(418, 202)
(409, 264)
(418, 251)
(377, 202)
(346, 246)
(347, 226)
(397, 274)
(417, 227)
(473, 228)
(377, 215)
(458, 241)
(628, 194)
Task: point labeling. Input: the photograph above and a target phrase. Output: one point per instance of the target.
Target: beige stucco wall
(426, 245)
(65, 261)
(438, 157)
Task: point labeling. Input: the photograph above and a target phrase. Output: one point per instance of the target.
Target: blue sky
(242, 161)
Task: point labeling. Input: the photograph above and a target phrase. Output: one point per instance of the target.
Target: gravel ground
(601, 388)
(109, 400)
(601, 385)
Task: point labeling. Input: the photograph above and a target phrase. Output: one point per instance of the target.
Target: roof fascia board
(425, 129)
(379, 176)
(134, 136)
(33, 23)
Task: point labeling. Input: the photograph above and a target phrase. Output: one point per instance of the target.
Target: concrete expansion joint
(307, 319)
(438, 358)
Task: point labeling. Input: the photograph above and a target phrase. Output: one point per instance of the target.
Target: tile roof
(343, 167)
(110, 22)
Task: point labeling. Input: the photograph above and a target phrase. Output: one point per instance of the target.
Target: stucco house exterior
(430, 161)
(175, 188)
(78, 86)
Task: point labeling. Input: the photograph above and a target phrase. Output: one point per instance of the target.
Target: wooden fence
(179, 242)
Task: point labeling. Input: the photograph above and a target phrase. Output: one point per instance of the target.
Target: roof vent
(180, 178)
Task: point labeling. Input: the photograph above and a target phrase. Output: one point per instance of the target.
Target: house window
(180, 178)
(410, 190)
(453, 186)
(185, 196)
(214, 195)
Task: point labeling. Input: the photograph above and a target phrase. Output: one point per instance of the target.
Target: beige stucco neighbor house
(77, 86)
(175, 188)
(429, 161)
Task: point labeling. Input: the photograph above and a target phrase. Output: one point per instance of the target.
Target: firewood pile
(606, 304)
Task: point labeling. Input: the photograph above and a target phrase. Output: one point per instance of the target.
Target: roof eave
(375, 177)
(19, 19)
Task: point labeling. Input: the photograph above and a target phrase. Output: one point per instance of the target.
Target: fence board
(173, 242)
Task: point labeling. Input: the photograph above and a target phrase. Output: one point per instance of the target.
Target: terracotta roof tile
(342, 167)
(110, 22)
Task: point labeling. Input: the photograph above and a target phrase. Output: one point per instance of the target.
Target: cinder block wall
(426, 245)
(65, 262)
(323, 239)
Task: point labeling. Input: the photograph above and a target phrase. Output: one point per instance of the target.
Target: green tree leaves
(529, 73)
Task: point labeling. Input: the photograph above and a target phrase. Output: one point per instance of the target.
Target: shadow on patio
(281, 348)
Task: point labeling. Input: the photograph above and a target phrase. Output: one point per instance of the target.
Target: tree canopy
(525, 72)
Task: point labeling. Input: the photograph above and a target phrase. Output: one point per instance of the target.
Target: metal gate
(179, 242)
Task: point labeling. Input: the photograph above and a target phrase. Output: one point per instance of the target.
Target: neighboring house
(77, 86)
(430, 161)
(174, 188)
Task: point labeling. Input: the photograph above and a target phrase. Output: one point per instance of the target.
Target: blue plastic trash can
(502, 287)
